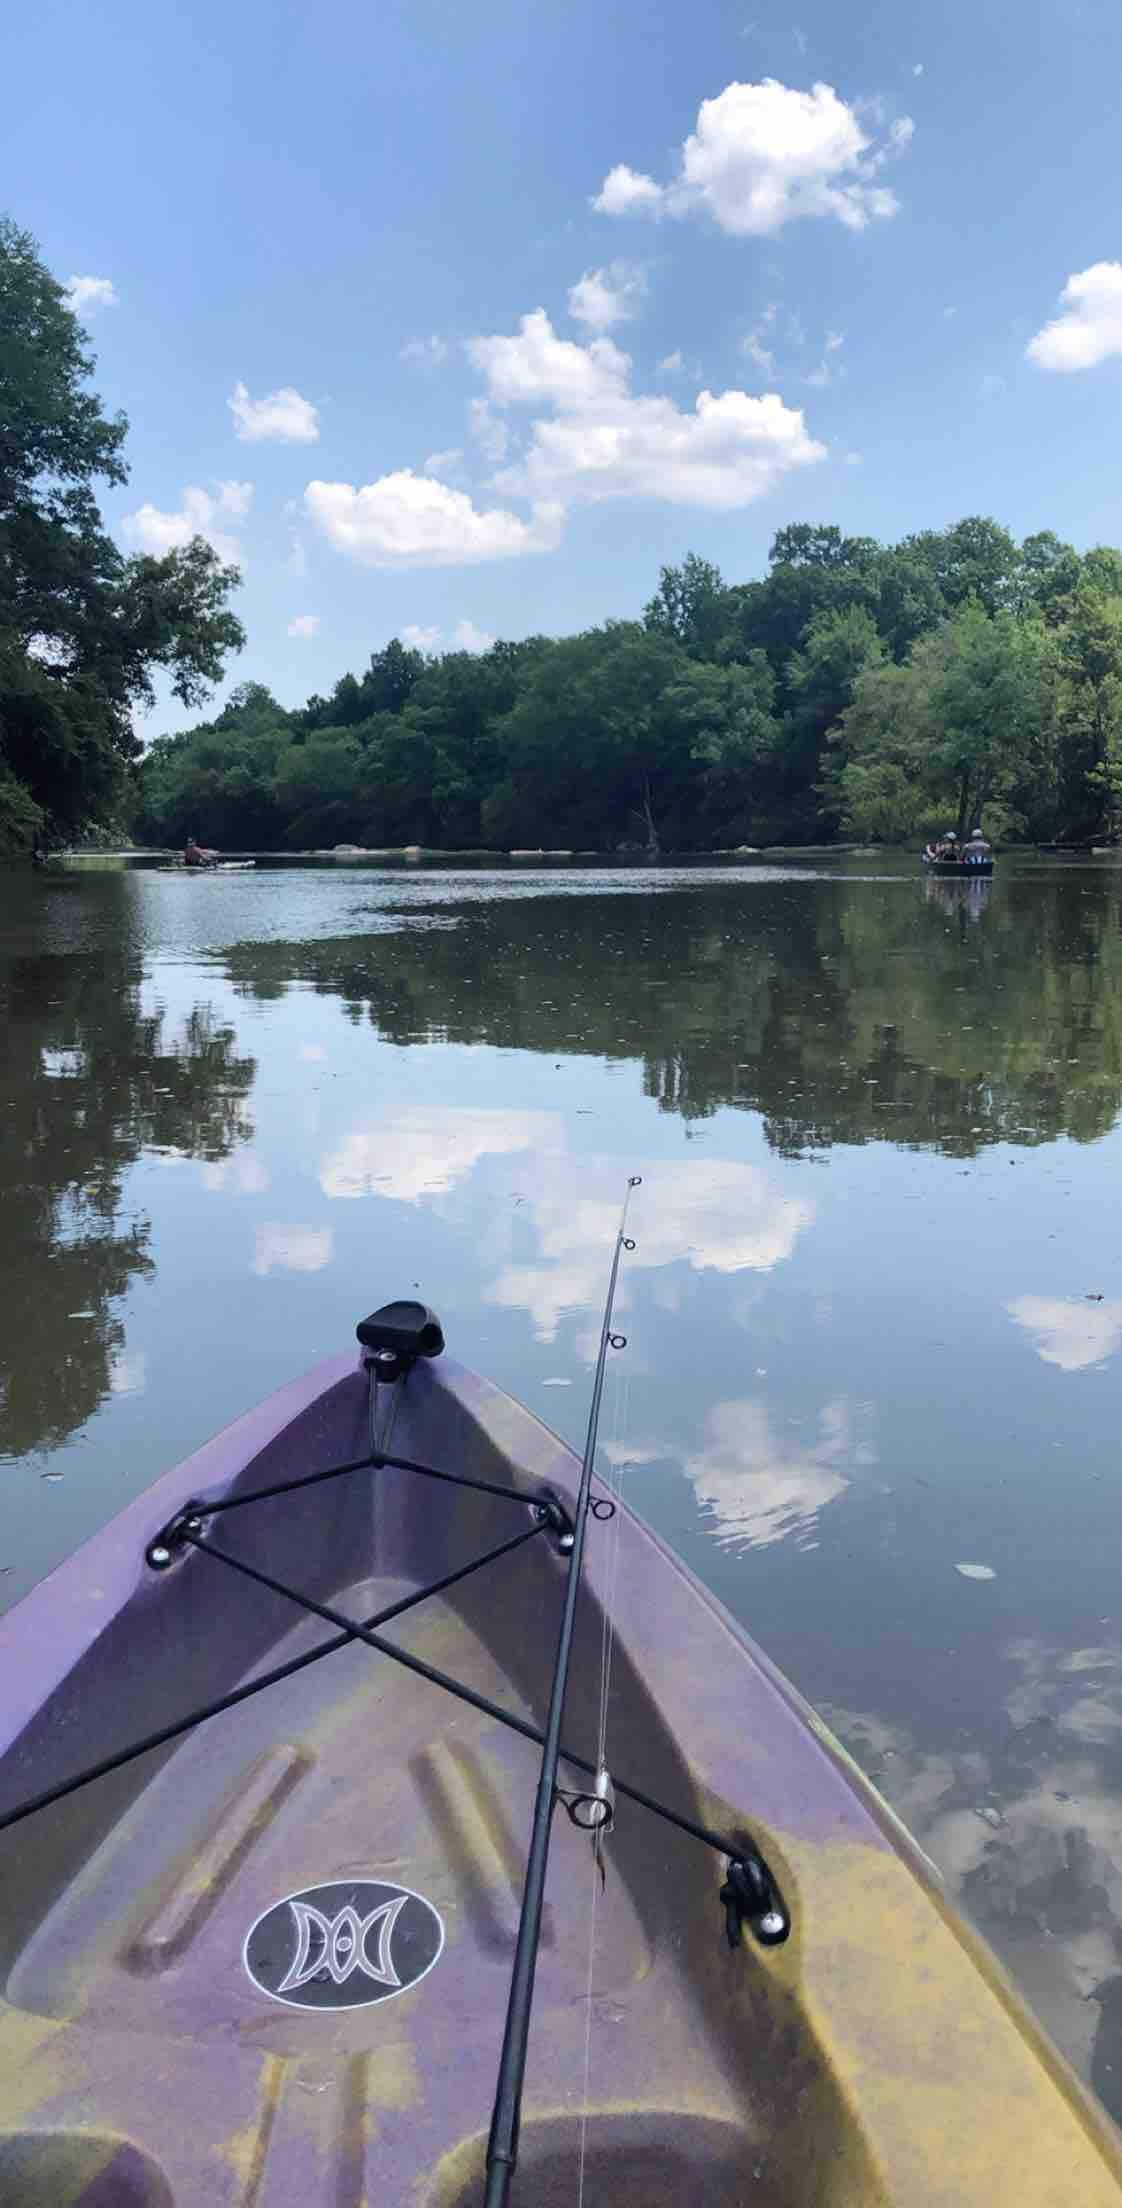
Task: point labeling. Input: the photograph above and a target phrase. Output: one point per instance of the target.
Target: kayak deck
(877, 2057)
(442, 1811)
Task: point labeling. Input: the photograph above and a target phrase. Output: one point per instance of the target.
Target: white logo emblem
(345, 1944)
(338, 1947)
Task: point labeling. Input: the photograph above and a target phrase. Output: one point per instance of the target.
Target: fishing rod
(502, 2144)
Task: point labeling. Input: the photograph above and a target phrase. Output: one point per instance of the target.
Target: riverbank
(352, 854)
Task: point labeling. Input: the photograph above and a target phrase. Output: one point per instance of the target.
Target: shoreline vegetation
(857, 691)
(165, 858)
(420, 853)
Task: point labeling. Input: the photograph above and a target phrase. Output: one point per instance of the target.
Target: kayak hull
(879, 2056)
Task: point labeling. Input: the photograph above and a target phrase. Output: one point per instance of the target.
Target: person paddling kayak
(195, 855)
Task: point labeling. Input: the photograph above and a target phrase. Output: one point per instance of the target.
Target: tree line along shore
(856, 692)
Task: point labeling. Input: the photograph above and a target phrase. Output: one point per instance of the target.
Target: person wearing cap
(977, 849)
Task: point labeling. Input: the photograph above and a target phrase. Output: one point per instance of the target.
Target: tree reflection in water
(91, 1077)
(932, 1015)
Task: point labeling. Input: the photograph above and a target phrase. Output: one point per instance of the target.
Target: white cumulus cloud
(282, 418)
(1090, 327)
(625, 192)
(729, 450)
(427, 352)
(607, 295)
(85, 294)
(467, 638)
(235, 499)
(408, 520)
(440, 463)
(536, 364)
(602, 441)
(763, 155)
(489, 432)
(304, 624)
(754, 344)
(201, 514)
(824, 373)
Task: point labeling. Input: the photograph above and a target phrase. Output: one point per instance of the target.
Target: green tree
(81, 628)
(809, 544)
(453, 720)
(593, 751)
(985, 704)
(948, 733)
(218, 781)
(690, 607)
(321, 789)
(975, 558)
(876, 777)
(837, 646)
(1090, 709)
(1049, 573)
(722, 721)
(909, 602)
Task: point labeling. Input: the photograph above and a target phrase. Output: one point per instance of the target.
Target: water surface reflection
(874, 1313)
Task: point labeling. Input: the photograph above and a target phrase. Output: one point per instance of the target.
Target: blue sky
(469, 398)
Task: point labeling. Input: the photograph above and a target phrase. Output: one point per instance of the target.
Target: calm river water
(872, 1391)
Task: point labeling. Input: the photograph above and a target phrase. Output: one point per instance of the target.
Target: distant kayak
(265, 1957)
(217, 866)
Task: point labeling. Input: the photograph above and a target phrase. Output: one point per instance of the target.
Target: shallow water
(872, 1384)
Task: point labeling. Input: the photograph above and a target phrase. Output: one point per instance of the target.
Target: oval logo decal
(343, 1946)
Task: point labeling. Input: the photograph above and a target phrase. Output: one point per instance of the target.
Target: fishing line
(617, 1462)
(621, 1392)
(593, 1905)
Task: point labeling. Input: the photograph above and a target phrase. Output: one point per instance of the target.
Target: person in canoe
(196, 855)
(944, 847)
(977, 852)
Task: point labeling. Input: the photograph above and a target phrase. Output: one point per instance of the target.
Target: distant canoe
(958, 870)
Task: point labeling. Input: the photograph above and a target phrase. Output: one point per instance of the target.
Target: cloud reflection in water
(291, 1249)
(427, 1152)
(758, 1489)
(1070, 1332)
(714, 1214)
